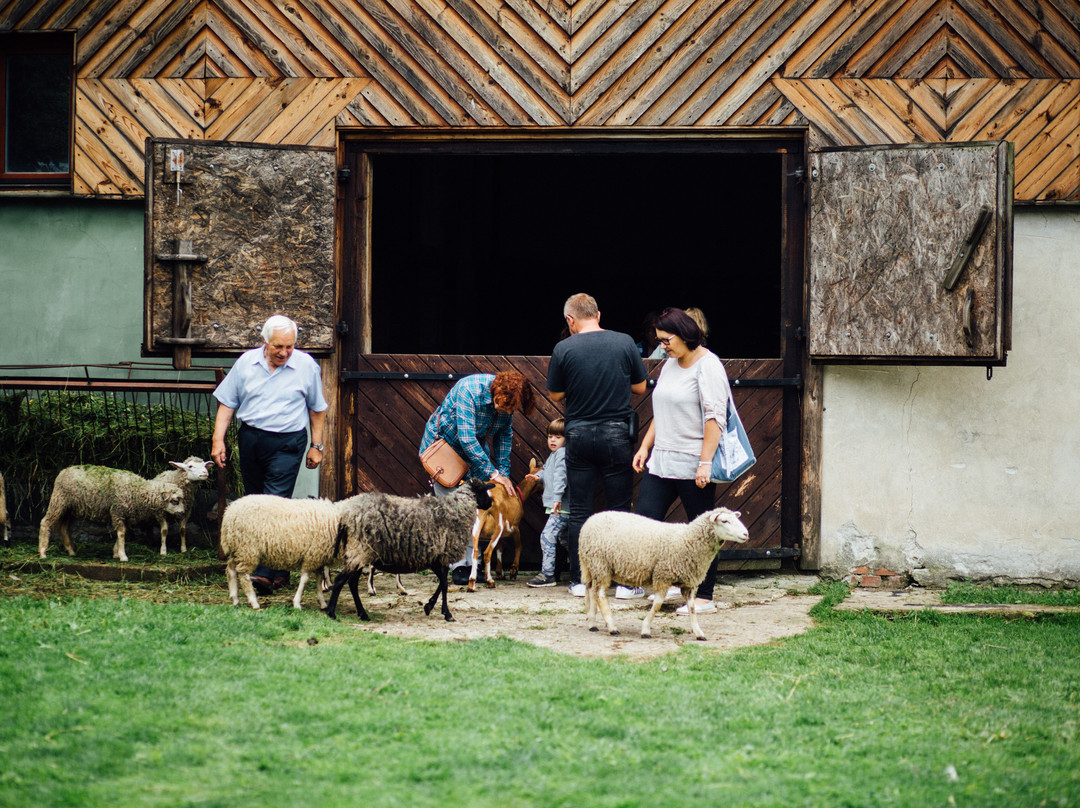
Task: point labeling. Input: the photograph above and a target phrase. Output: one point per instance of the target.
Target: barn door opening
(460, 247)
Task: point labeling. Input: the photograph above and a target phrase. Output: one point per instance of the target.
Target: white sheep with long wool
(282, 534)
(407, 534)
(103, 494)
(637, 551)
(186, 475)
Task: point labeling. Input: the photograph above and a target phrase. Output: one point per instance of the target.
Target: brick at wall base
(880, 579)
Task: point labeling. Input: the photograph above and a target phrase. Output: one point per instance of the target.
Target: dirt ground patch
(755, 609)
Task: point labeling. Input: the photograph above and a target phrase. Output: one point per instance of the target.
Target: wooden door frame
(800, 507)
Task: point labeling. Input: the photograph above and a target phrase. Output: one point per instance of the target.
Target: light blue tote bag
(734, 455)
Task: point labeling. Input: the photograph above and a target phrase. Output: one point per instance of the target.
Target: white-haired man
(276, 393)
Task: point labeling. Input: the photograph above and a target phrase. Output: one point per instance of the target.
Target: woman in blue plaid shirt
(478, 408)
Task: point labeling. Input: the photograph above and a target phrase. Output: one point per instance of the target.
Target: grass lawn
(115, 697)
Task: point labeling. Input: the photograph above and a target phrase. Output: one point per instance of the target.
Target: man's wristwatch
(317, 446)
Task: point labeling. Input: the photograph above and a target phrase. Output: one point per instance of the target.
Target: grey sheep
(407, 534)
(102, 494)
(637, 551)
(186, 475)
(280, 533)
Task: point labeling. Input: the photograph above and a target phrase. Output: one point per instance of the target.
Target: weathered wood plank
(550, 86)
(155, 22)
(601, 17)
(102, 39)
(299, 33)
(826, 129)
(834, 31)
(446, 65)
(709, 75)
(762, 60)
(169, 45)
(504, 90)
(121, 182)
(877, 36)
(125, 158)
(313, 126)
(240, 48)
(627, 99)
(657, 41)
(299, 108)
(88, 178)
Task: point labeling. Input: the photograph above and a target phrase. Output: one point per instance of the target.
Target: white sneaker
(702, 608)
(673, 592)
(626, 593)
(577, 590)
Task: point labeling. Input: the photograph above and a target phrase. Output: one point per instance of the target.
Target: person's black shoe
(262, 585)
(459, 576)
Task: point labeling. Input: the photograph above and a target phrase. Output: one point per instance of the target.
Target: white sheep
(407, 534)
(3, 513)
(280, 533)
(102, 494)
(186, 475)
(637, 551)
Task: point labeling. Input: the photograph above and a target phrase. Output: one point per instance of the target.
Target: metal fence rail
(47, 424)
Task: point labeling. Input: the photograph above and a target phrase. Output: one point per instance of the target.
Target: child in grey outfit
(553, 477)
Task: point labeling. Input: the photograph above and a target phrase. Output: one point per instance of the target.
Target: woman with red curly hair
(477, 409)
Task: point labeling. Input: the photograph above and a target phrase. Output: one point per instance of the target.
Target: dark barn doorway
(459, 248)
(485, 248)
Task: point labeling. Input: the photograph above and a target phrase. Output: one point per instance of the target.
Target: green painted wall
(70, 282)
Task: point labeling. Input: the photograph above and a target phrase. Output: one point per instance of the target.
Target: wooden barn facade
(422, 183)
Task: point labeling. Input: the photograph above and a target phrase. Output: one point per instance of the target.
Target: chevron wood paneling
(854, 71)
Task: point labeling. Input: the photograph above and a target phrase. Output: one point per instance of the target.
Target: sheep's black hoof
(594, 628)
(614, 633)
(450, 618)
(646, 636)
(701, 639)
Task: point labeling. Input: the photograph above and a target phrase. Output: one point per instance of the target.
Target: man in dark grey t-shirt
(594, 371)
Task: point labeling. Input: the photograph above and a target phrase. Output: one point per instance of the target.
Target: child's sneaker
(629, 593)
(541, 580)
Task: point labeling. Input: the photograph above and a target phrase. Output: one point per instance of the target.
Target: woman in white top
(689, 413)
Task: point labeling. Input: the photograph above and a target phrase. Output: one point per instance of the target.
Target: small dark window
(35, 109)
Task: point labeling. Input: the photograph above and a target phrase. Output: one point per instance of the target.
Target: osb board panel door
(384, 420)
(888, 226)
(261, 224)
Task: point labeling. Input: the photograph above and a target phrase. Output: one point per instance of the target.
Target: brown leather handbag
(443, 464)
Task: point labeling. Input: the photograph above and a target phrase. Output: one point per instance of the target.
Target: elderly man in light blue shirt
(276, 392)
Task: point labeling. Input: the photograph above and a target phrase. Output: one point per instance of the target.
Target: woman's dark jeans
(657, 494)
(595, 452)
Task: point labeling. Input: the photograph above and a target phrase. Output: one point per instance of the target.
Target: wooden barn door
(386, 397)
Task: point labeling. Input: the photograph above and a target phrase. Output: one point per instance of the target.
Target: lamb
(3, 513)
(638, 551)
(280, 533)
(402, 534)
(186, 475)
(102, 494)
(503, 518)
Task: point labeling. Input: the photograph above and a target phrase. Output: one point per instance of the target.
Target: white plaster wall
(937, 471)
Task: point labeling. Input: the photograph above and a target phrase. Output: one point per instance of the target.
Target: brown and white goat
(498, 523)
